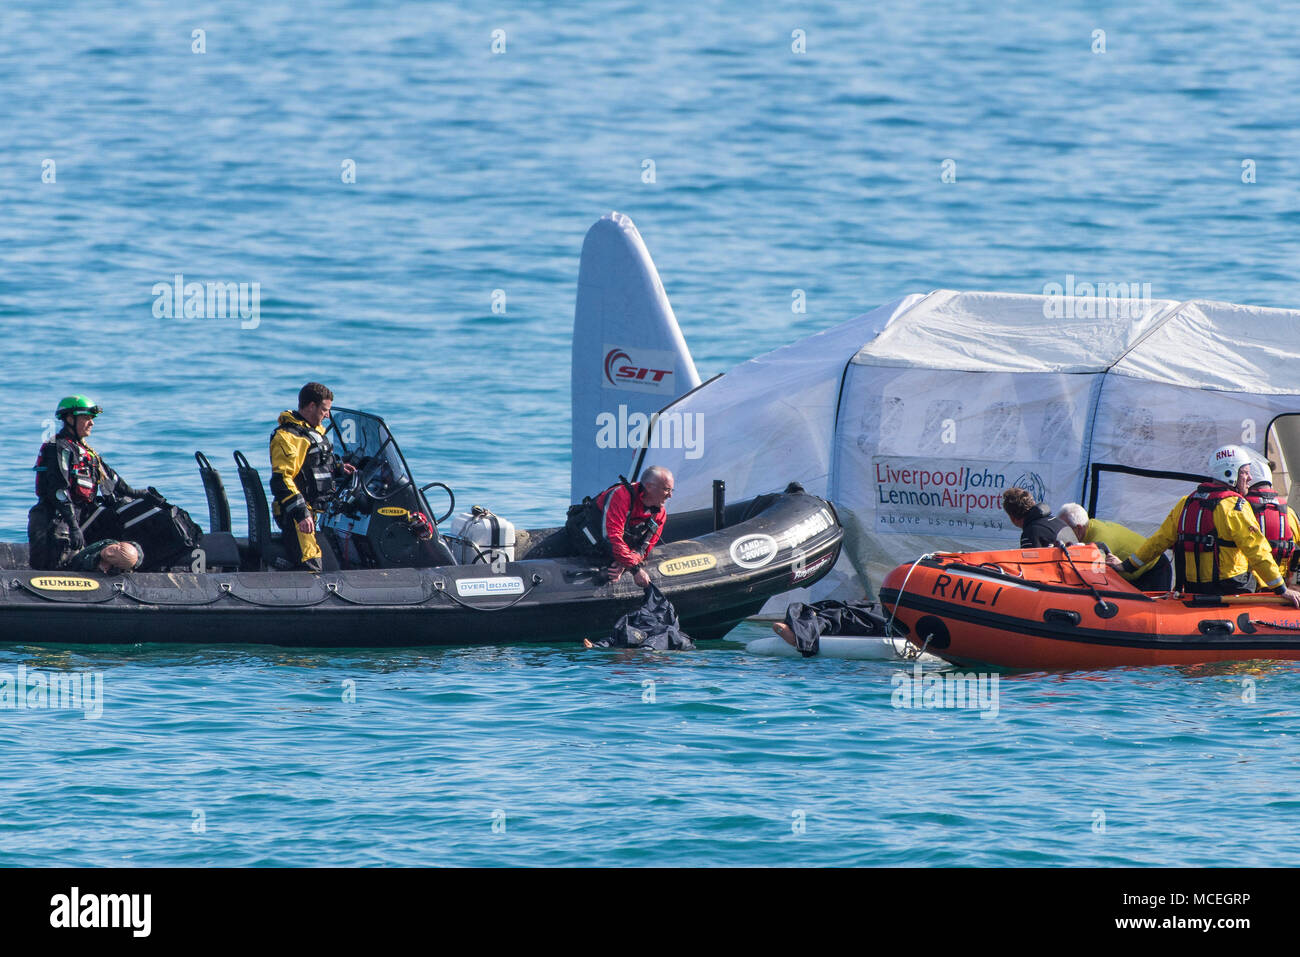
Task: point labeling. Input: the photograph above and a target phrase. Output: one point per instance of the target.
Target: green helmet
(76, 405)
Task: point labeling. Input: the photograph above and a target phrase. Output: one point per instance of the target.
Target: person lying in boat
(1276, 520)
(1038, 527)
(1155, 575)
(1215, 530)
(622, 524)
(304, 474)
(71, 479)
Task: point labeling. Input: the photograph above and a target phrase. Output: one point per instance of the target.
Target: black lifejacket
(1196, 533)
(83, 475)
(1271, 513)
(315, 480)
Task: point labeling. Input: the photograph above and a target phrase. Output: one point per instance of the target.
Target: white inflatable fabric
(914, 418)
(629, 357)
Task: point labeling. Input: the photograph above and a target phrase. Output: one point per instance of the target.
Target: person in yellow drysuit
(1216, 540)
(1277, 520)
(304, 473)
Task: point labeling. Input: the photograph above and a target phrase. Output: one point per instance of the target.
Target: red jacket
(621, 512)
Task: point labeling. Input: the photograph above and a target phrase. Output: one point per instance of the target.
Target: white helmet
(1260, 471)
(1226, 462)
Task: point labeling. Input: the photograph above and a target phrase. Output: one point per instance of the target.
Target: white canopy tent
(915, 417)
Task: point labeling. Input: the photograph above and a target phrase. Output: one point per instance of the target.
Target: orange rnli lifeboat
(1066, 608)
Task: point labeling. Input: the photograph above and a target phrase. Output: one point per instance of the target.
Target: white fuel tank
(479, 536)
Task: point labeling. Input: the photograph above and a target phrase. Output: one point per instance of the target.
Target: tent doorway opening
(1282, 448)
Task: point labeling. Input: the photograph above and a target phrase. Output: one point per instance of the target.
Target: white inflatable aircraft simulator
(915, 417)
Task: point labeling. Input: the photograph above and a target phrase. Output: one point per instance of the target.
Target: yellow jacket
(1293, 526)
(1120, 542)
(288, 457)
(1234, 521)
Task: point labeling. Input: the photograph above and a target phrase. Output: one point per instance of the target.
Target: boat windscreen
(363, 440)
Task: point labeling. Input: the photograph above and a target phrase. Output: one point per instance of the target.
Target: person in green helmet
(71, 479)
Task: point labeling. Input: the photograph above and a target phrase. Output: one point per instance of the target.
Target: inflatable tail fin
(629, 357)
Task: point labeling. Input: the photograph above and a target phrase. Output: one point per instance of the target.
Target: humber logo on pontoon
(496, 585)
(651, 370)
(64, 583)
(687, 564)
(753, 551)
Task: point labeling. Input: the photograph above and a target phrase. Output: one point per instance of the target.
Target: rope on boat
(120, 588)
(905, 654)
(440, 587)
(225, 589)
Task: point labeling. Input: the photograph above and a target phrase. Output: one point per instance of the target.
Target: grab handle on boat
(1061, 616)
(1216, 626)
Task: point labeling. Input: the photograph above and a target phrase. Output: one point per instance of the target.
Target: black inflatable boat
(385, 587)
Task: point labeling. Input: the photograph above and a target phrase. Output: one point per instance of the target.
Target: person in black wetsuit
(1038, 526)
(71, 479)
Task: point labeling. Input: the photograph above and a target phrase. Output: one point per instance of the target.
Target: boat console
(371, 520)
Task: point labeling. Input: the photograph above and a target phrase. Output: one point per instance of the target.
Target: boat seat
(220, 552)
(264, 549)
(215, 490)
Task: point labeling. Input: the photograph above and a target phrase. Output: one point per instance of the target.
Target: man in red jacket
(632, 520)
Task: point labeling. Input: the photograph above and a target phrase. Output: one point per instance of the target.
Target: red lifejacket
(83, 478)
(642, 527)
(1271, 512)
(1196, 534)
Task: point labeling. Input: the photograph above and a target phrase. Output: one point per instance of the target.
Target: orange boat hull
(1039, 609)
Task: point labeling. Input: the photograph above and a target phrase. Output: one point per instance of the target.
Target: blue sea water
(476, 171)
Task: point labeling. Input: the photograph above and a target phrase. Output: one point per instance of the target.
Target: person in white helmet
(1216, 539)
(1277, 520)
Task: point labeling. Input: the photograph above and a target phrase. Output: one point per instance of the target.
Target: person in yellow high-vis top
(1216, 538)
(1277, 520)
(304, 474)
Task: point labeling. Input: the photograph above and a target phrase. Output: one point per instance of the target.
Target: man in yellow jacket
(304, 471)
(1216, 539)
(1120, 541)
(1277, 520)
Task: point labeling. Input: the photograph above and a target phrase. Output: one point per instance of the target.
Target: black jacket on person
(1042, 529)
(71, 479)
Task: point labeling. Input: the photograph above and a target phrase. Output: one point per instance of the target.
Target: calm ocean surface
(475, 172)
